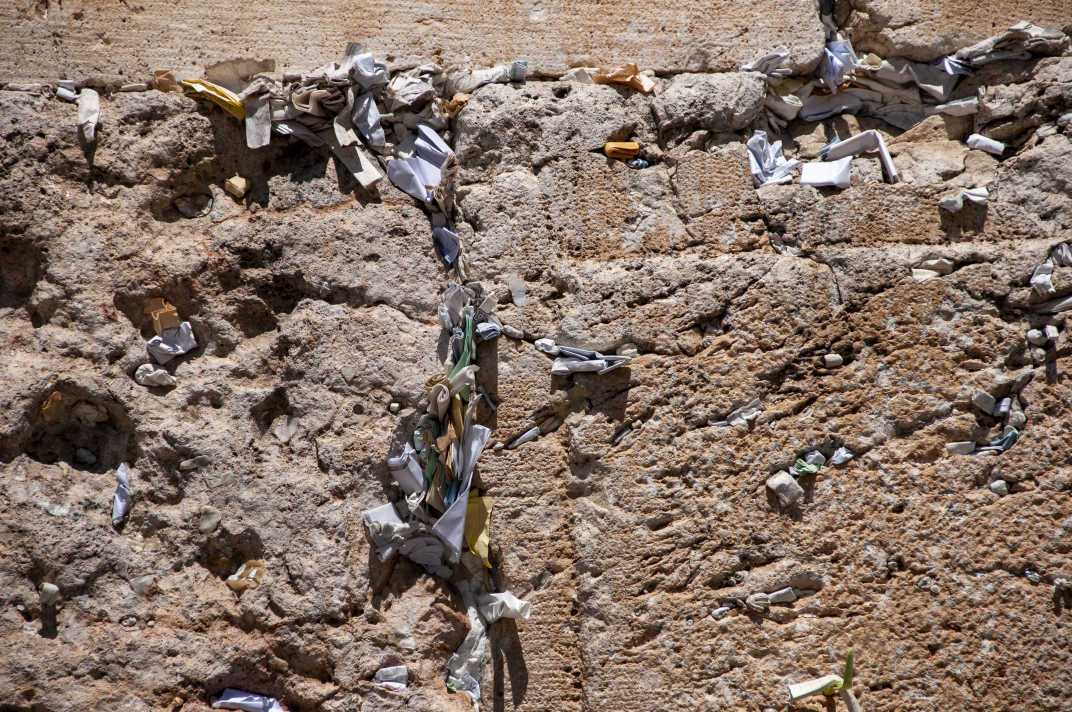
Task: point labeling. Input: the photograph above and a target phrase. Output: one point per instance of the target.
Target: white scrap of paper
(406, 470)
(800, 690)
(149, 375)
(494, 606)
(955, 202)
(982, 143)
(172, 342)
(123, 495)
(835, 173)
(393, 678)
(232, 699)
(860, 143)
(88, 114)
(767, 163)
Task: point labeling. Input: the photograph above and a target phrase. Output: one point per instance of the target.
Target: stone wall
(637, 514)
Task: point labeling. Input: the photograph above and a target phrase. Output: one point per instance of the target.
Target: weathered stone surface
(931, 29)
(634, 514)
(77, 41)
(716, 102)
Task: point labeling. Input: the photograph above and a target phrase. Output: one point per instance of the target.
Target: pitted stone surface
(77, 40)
(637, 511)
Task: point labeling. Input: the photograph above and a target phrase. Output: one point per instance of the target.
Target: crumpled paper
(232, 699)
(172, 342)
(767, 163)
(149, 375)
(249, 575)
(627, 75)
(494, 606)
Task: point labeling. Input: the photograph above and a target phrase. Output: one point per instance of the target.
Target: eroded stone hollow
(766, 324)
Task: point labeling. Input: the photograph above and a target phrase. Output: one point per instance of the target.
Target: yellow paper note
(478, 525)
(225, 98)
(621, 150)
(628, 75)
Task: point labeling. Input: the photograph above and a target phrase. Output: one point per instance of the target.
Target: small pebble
(833, 360)
(720, 612)
(513, 332)
(1033, 576)
(129, 621)
(394, 407)
(999, 487)
(1036, 337)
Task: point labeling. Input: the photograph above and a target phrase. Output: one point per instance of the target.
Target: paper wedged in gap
(478, 526)
(258, 121)
(447, 243)
(955, 202)
(929, 78)
(982, 143)
(123, 496)
(359, 163)
(88, 114)
(149, 375)
(766, 161)
(385, 528)
(465, 668)
(628, 75)
(1021, 37)
(769, 63)
(249, 575)
(235, 74)
(818, 106)
(494, 606)
(172, 342)
(393, 678)
(563, 366)
(451, 526)
(424, 550)
(222, 97)
(834, 173)
(807, 688)
(865, 141)
(298, 130)
(232, 699)
(366, 119)
(368, 72)
(405, 174)
(838, 62)
(406, 470)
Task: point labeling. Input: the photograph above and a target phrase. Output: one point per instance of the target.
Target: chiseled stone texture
(925, 30)
(634, 514)
(77, 39)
